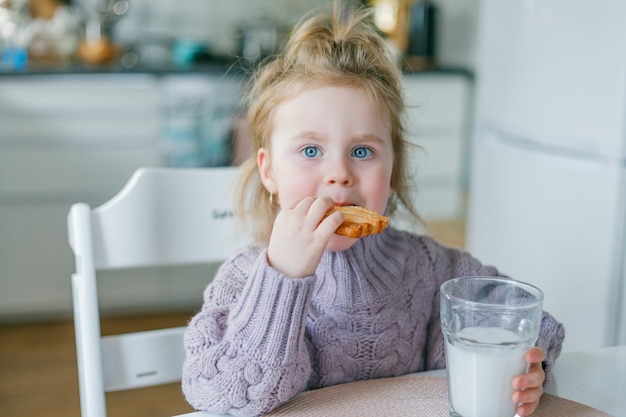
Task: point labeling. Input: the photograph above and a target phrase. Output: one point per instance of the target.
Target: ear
(265, 170)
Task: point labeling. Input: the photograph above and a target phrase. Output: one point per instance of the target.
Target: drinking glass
(488, 324)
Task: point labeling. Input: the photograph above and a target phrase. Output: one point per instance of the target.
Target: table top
(595, 378)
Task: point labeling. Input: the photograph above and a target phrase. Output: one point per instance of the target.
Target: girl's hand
(300, 236)
(529, 386)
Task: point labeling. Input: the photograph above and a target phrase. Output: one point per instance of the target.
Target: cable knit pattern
(371, 311)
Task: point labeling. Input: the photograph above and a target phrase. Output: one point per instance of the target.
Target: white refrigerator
(547, 201)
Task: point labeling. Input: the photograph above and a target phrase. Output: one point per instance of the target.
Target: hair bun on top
(345, 41)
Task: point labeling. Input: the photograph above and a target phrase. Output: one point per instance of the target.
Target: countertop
(222, 65)
(218, 65)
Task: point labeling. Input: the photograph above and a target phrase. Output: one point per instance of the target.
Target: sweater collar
(363, 275)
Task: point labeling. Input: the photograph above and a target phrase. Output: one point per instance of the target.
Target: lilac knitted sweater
(368, 312)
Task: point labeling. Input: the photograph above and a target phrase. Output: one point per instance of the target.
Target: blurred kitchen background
(518, 107)
(90, 90)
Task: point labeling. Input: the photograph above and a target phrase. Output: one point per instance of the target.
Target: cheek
(382, 197)
(295, 186)
(378, 190)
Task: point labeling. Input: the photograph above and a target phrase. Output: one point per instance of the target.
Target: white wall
(215, 22)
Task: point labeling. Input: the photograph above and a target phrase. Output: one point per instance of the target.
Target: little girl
(304, 308)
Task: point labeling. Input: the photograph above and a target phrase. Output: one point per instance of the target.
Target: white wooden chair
(161, 217)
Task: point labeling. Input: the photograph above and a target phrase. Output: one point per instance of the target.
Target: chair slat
(141, 359)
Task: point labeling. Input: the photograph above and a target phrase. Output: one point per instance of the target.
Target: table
(596, 378)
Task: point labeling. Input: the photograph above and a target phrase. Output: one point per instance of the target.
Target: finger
(305, 204)
(527, 409)
(535, 354)
(320, 207)
(313, 211)
(325, 224)
(533, 378)
(528, 395)
(299, 203)
(329, 225)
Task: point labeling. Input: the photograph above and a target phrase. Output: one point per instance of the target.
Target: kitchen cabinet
(63, 139)
(438, 122)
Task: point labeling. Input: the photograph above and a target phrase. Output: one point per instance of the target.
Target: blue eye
(311, 151)
(362, 152)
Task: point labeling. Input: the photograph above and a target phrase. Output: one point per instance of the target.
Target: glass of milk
(488, 324)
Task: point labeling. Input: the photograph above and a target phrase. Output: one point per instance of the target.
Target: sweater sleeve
(246, 352)
(551, 336)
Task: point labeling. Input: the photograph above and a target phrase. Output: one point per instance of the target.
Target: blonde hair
(342, 48)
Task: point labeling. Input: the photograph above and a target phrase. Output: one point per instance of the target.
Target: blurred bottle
(181, 131)
(422, 35)
(100, 17)
(14, 55)
(52, 31)
(199, 113)
(391, 17)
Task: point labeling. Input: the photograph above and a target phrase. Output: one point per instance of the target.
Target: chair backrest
(162, 216)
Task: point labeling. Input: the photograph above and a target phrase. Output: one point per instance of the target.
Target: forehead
(328, 105)
(292, 90)
(331, 93)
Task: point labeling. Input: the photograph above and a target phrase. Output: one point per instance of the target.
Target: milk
(480, 373)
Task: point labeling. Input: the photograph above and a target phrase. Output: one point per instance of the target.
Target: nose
(339, 173)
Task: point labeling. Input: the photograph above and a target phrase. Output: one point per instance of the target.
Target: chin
(340, 243)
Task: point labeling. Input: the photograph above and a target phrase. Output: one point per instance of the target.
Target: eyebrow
(309, 134)
(370, 137)
(312, 135)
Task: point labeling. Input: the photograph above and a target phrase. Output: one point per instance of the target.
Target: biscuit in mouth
(359, 222)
